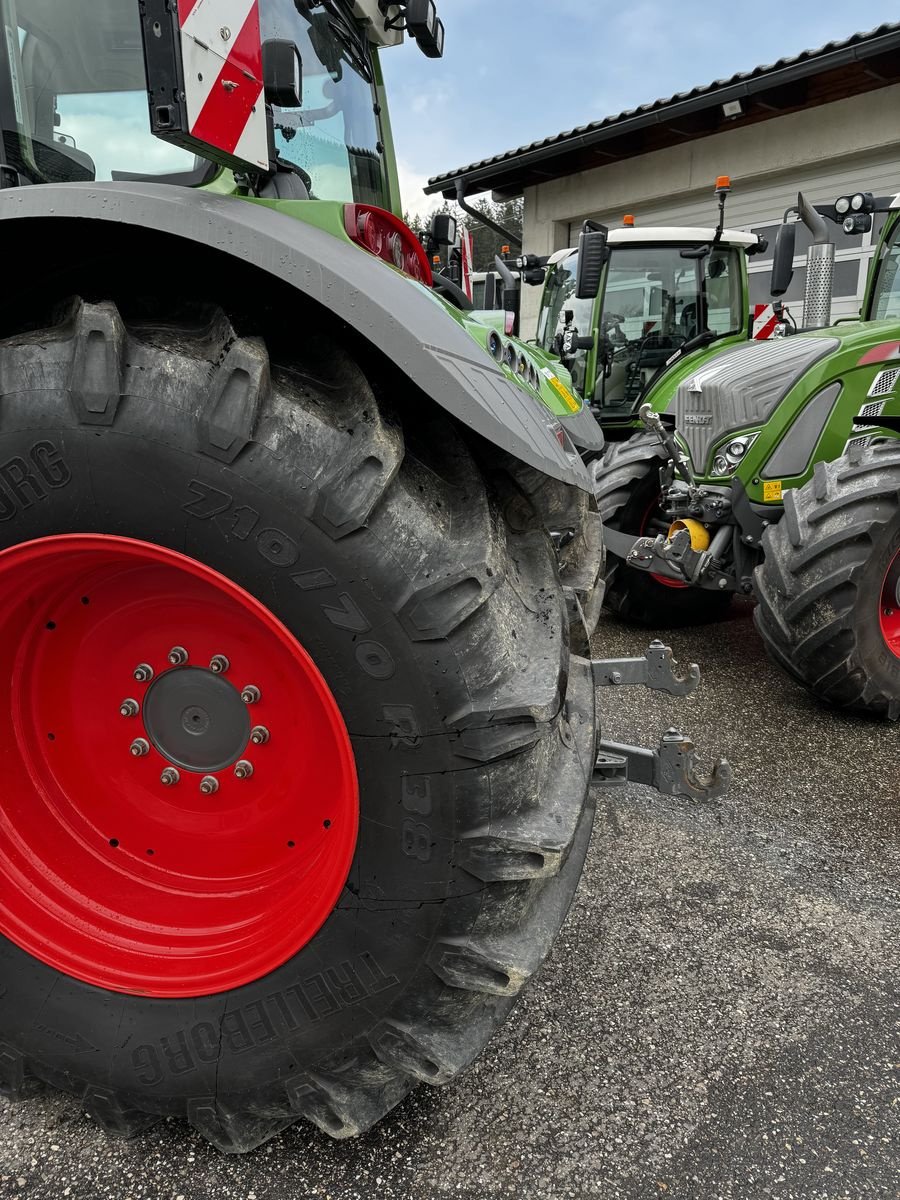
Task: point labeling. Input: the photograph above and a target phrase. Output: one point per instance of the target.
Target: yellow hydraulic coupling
(699, 533)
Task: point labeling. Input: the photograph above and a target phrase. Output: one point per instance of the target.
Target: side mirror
(783, 259)
(592, 252)
(282, 74)
(426, 27)
(443, 229)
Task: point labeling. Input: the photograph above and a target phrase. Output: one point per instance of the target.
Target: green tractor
(660, 302)
(297, 572)
(775, 473)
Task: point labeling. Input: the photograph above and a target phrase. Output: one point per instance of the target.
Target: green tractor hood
(784, 404)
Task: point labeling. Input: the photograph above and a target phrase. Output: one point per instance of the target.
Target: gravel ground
(719, 1017)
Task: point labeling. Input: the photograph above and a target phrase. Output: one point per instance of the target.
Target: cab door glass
(335, 138)
(886, 299)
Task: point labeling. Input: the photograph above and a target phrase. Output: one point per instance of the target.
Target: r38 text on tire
(280, 550)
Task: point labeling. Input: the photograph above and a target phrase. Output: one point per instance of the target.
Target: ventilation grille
(862, 442)
(885, 382)
(869, 412)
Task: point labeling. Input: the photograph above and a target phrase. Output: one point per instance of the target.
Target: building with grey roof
(826, 121)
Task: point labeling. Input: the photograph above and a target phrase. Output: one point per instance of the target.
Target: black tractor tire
(626, 484)
(471, 723)
(819, 587)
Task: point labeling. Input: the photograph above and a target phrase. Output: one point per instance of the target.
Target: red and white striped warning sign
(222, 53)
(467, 258)
(765, 321)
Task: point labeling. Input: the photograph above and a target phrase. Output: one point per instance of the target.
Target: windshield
(560, 311)
(886, 296)
(654, 302)
(74, 102)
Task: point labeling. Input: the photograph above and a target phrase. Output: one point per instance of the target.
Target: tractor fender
(398, 317)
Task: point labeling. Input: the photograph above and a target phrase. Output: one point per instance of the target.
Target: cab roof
(675, 235)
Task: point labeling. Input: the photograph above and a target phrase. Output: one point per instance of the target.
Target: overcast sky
(515, 71)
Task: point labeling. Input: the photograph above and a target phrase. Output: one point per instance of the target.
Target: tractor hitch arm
(672, 770)
(657, 669)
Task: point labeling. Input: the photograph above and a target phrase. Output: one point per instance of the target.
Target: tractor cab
(664, 292)
(74, 94)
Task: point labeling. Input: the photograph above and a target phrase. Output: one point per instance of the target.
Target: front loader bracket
(657, 669)
(672, 770)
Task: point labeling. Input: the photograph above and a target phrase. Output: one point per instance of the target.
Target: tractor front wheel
(829, 585)
(296, 757)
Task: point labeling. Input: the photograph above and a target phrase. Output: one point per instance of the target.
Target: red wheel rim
(109, 874)
(645, 523)
(889, 606)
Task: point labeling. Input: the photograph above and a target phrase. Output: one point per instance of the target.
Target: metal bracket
(673, 558)
(657, 670)
(672, 770)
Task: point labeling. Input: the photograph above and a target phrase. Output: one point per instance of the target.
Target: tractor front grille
(740, 389)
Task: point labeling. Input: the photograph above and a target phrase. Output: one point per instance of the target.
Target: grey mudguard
(584, 431)
(398, 317)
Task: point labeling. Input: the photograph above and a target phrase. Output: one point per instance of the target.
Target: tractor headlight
(729, 456)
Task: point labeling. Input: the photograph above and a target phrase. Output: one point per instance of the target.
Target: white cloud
(415, 202)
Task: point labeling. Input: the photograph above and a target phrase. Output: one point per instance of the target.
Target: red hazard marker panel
(222, 50)
(179, 807)
(205, 79)
(765, 322)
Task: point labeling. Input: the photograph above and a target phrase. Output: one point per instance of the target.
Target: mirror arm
(485, 220)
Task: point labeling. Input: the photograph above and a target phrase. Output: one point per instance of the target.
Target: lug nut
(250, 694)
(169, 777)
(259, 735)
(219, 664)
(178, 656)
(243, 769)
(129, 708)
(140, 747)
(143, 673)
(209, 785)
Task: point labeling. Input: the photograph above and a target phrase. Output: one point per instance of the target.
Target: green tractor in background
(661, 302)
(775, 473)
(298, 569)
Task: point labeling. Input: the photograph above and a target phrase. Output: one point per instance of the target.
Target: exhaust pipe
(819, 269)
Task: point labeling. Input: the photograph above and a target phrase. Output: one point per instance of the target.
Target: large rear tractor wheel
(626, 484)
(296, 757)
(829, 585)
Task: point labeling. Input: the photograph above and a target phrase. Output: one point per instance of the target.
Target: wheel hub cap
(196, 719)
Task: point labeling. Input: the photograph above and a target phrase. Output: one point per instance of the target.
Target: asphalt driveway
(719, 1017)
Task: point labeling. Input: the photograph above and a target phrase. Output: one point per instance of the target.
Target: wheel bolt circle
(209, 785)
(243, 769)
(219, 664)
(140, 747)
(259, 735)
(129, 708)
(250, 694)
(169, 777)
(178, 656)
(143, 673)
